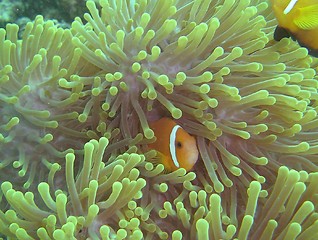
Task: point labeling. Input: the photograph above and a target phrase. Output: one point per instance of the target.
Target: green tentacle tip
(104, 231)
(132, 205)
(6, 186)
(27, 184)
(137, 234)
(13, 122)
(180, 78)
(121, 234)
(96, 91)
(141, 55)
(17, 164)
(177, 235)
(246, 226)
(261, 179)
(124, 86)
(91, 6)
(82, 117)
(149, 133)
(52, 124)
(135, 67)
(227, 182)
(218, 186)
(293, 231)
(202, 227)
(176, 113)
(134, 223)
(47, 138)
(205, 88)
(59, 234)
(303, 146)
(109, 77)
(11, 100)
(43, 187)
(70, 157)
(123, 223)
(145, 74)
(99, 53)
(103, 141)
(92, 213)
(149, 166)
(112, 114)
(22, 234)
(42, 233)
(118, 76)
(138, 32)
(152, 94)
(93, 185)
(64, 83)
(141, 183)
(163, 235)
(105, 106)
(230, 231)
(163, 79)
(162, 187)
(2, 139)
(13, 227)
(283, 171)
(207, 76)
(7, 69)
(113, 90)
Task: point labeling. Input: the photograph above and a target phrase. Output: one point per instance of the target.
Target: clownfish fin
(307, 18)
(159, 158)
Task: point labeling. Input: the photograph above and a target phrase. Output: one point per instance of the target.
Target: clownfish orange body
(298, 19)
(175, 147)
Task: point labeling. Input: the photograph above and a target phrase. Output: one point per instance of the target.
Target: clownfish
(175, 147)
(297, 19)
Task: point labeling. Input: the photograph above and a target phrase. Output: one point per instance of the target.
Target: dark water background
(23, 11)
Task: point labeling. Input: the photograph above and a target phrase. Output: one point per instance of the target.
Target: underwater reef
(75, 112)
(22, 11)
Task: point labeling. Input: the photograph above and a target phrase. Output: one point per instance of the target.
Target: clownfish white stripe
(172, 145)
(290, 6)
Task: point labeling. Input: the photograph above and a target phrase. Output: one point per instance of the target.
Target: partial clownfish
(175, 147)
(298, 19)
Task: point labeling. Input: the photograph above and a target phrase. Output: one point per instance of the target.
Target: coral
(74, 126)
(62, 11)
(9, 11)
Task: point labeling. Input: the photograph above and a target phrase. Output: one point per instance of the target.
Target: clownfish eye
(179, 144)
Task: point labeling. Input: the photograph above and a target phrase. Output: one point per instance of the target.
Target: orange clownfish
(298, 19)
(175, 147)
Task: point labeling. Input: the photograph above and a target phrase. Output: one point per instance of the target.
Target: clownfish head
(285, 12)
(284, 6)
(175, 147)
(295, 15)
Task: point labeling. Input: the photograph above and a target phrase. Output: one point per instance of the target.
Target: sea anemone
(30, 69)
(112, 200)
(97, 192)
(213, 67)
